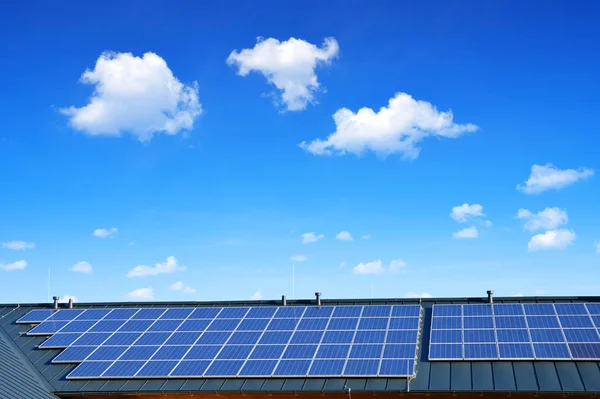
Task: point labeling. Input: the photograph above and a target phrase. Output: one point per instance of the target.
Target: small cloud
(179, 286)
(518, 294)
(142, 294)
(342, 265)
(132, 243)
(487, 223)
(469, 232)
(366, 237)
(598, 247)
(465, 212)
(104, 233)
(375, 267)
(418, 295)
(257, 296)
(67, 298)
(298, 258)
(18, 265)
(548, 177)
(81, 267)
(169, 266)
(397, 266)
(540, 292)
(18, 245)
(344, 236)
(551, 240)
(548, 219)
(308, 238)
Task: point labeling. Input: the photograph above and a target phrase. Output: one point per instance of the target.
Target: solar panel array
(291, 341)
(561, 331)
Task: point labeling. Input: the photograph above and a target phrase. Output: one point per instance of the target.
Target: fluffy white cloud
(344, 236)
(67, 298)
(256, 296)
(548, 177)
(308, 238)
(375, 267)
(103, 233)
(137, 95)
(395, 129)
(469, 232)
(169, 266)
(18, 265)
(18, 245)
(418, 295)
(548, 219)
(142, 294)
(298, 258)
(179, 286)
(552, 239)
(465, 212)
(81, 267)
(289, 66)
(397, 265)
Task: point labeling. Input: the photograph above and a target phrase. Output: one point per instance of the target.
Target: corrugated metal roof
(439, 376)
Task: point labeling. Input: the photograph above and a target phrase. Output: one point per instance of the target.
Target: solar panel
(561, 331)
(291, 341)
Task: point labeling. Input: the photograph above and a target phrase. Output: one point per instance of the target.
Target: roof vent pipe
(490, 294)
(70, 303)
(318, 296)
(283, 300)
(55, 298)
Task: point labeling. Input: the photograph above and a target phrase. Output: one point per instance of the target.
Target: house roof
(439, 376)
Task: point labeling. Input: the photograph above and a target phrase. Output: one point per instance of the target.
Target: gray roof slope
(439, 376)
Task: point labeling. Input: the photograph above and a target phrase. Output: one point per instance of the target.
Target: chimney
(55, 298)
(283, 300)
(318, 296)
(490, 298)
(70, 303)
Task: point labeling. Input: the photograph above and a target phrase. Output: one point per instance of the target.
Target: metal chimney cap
(490, 292)
(56, 298)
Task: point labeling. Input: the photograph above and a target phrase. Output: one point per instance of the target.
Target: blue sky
(185, 135)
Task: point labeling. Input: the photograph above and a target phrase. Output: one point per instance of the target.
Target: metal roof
(439, 376)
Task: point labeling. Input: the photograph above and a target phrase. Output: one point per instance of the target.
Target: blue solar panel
(92, 339)
(312, 324)
(235, 352)
(267, 352)
(570, 309)
(171, 352)
(399, 351)
(136, 325)
(74, 354)
(510, 322)
(404, 323)
(402, 336)
(283, 325)
(366, 351)
(120, 314)
(153, 338)
(333, 352)
(94, 314)
(123, 369)
(515, 351)
(157, 369)
(183, 338)
(149, 313)
(48, 328)
(202, 352)
(293, 312)
(513, 335)
(478, 322)
(66, 315)
(481, 351)
(374, 323)
(447, 310)
(327, 367)
(107, 325)
(338, 337)
(258, 368)
(232, 313)
(391, 367)
(175, 313)
(60, 340)
(551, 351)
(406, 311)
(300, 352)
(347, 311)
(292, 368)
(253, 325)
(307, 337)
(139, 353)
(539, 309)
(508, 309)
(446, 336)
(576, 321)
(369, 337)
(78, 326)
(445, 351)
(220, 368)
(244, 337)
(362, 367)
(582, 335)
(224, 325)
(35, 316)
(279, 337)
(479, 336)
(194, 325)
(593, 308)
(345, 323)
(445, 323)
(107, 353)
(122, 338)
(477, 310)
(89, 369)
(166, 325)
(261, 313)
(543, 322)
(585, 351)
(192, 368)
(323, 311)
(376, 311)
(204, 313)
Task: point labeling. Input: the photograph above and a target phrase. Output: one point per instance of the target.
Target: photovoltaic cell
(35, 316)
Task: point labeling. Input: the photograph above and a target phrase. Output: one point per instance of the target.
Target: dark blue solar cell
(366, 351)
(66, 315)
(123, 369)
(153, 338)
(572, 322)
(183, 338)
(510, 322)
(585, 351)
(60, 340)
(136, 326)
(275, 337)
(445, 336)
(347, 311)
(36, 316)
(300, 352)
(122, 338)
(201, 352)
(397, 367)
(204, 313)
(508, 309)
(406, 311)
(570, 309)
(157, 369)
(107, 325)
(445, 351)
(318, 311)
(376, 311)
(165, 325)
(235, 352)
(290, 312)
(551, 351)
(292, 367)
(373, 323)
(513, 335)
(479, 336)
(333, 352)
(478, 322)
(213, 338)
(267, 352)
(232, 313)
(89, 370)
(361, 367)
(121, 314)
(171, 352)
(446, 323)
(93, 314)
(224, 368)
(447, 310)
(47, 328)
(515, 351)
(596, 320)
(177, 313)
(543, 322)
(307, 337)
(261, 313)
(369, 337)
(581, 335)
(404, 323)
(546, 335)
(253, 325)
(405, 336)
(312, 324)
(477, 310)
(92, 339)
(258, 368)
(194, 325)
(481, 351)
(149, 313)
(593, 308)
(400, 351)
(539, 309)
(107, 353)
(345, 323)
(338, 337)
(193, 368)
(139, 353)
(224, 325)
(282, 324)
(327, 367)
(74, 354)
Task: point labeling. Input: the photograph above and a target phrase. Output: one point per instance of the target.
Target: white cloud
(487, 223)
(548, 177)
(311, 237)
(375, 267)
(142, 294)
(256, 296)
(518, 294)
(344, 236)
(540, 292)
(469, 232)
(418, 295)
(66, 298)
(289, 66)
(103, 233)
(18, 265)
(366, 237)
(298, 258)
(81, 267)
(179, 286)
(552, 239)
(397, 265)
(137, 95)
(598, 247)
(395, 129)
(465, 212)
(18, 245)
(169, 266)
(342, 265)
(548, 219)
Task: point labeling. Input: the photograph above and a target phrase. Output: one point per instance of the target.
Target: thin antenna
(48, 300)
(293, 281)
